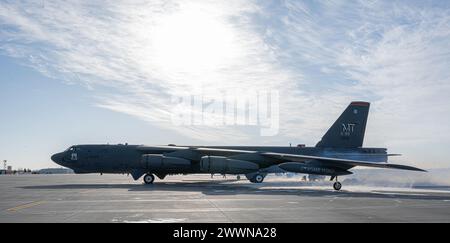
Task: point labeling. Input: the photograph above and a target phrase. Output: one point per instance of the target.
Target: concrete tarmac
(198, 198)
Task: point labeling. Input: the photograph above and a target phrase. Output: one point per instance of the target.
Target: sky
(82, 72)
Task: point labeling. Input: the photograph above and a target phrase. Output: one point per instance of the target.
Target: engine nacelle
(311, 169)
(224, 165)
(161, 162)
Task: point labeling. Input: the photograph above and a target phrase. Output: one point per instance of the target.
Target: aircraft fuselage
(129, 158)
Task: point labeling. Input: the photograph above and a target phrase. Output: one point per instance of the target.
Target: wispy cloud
(144, 53)
(392, 53)
(320, 55)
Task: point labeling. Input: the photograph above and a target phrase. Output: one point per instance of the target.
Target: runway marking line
(24, 206)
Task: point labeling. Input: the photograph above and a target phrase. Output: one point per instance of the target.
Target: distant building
(55, 171)
(9, 169)
(2, 172)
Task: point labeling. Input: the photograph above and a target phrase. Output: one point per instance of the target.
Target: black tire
(258, 178)
(149, 179)
(238, 177)
(337, 186)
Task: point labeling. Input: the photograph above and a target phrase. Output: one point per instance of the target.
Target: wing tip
(411, 168)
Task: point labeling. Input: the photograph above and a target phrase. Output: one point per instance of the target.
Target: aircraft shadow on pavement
(220, 188)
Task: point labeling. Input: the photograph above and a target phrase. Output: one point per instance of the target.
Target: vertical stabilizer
(348, 130)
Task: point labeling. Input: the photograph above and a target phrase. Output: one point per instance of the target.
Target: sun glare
(193, 41)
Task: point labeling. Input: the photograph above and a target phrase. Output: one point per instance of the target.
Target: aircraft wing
(305, 158)
(224, 152)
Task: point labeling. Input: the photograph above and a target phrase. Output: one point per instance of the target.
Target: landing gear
(258, 178)
(337, 185)
(149, 179)
(238, 177)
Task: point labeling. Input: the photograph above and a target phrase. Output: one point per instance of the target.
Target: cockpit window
(73, 149)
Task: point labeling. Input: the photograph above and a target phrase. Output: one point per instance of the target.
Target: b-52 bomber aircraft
(339, 151)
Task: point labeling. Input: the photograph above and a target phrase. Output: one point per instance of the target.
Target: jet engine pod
(312, 169)
(224, 165)
(161, 162)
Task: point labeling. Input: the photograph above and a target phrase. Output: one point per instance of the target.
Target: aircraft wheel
(149, 179)
(238, 177)
(337, 186)
(259, 178)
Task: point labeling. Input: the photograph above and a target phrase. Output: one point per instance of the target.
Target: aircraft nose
(57, 158)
